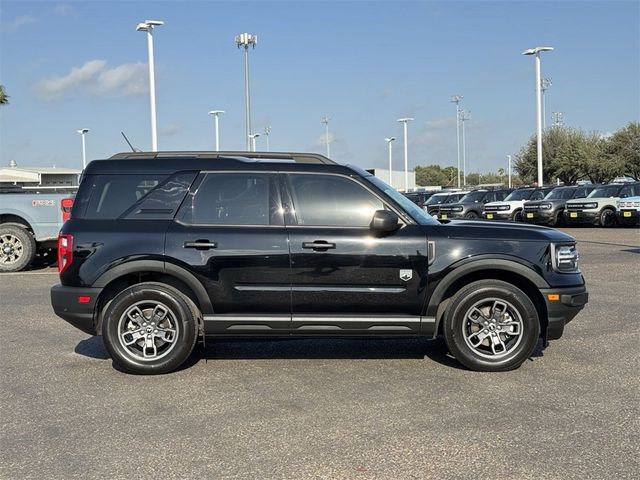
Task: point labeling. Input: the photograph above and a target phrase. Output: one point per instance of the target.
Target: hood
(592, 200)
(486, 230)
(510, 203)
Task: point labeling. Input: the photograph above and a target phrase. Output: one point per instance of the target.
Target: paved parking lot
(328, 409)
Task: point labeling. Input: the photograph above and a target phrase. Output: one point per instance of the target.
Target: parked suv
(599, 208)
(419, 198)
(628, 211)
(164, 248)
(472, 204)
(511, 207)
(550, 210)
(433, 204)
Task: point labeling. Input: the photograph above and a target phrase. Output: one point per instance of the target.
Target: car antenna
(130, 146)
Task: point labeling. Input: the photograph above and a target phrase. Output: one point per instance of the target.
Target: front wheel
(471, 215)
(149, 328)
(491, 326)
(607, 218)
(517, 216)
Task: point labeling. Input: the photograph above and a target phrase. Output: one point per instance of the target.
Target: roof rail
(296, 157)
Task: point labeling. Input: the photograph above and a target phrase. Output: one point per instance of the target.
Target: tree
(4, 98)
(623, 148)
(436, 175)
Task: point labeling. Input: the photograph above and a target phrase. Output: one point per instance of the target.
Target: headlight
(504, 207)
(457, 209)
(591, 205)
(545, 206)
(565, 258)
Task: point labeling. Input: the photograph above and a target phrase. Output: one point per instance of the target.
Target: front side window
(538, 195)
(233, 199)
(330, 200)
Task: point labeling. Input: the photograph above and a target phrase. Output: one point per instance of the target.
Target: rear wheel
(607, 218)
(17, 248)
(149, 328)
(491, 326)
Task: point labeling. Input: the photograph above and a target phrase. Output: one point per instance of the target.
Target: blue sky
(363, 64)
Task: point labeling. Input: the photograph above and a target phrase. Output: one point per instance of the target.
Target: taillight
(65, 251)
(65, 206)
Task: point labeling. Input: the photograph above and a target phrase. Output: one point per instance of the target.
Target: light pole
(244, 40)
(215, 114)
(509, 159)
(456, 99)
(546, 83)
(253, 137)
(83, 132)
(389, 141)
(148, 26)
(404, 122)
(557, 119)
(536, 51)
(325, 120)
(464, 116)
(267, 132)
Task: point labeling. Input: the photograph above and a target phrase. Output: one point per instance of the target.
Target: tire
(489, 347)
(558, 219)
(17, 248)
(607, 218)
(517, 216)
(130, 316)
(471, 215)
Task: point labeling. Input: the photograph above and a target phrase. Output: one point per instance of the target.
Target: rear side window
(233, 199)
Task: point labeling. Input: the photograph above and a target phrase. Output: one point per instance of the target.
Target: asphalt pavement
(328, 409)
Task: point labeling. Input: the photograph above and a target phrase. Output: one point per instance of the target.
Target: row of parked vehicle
(605, 205)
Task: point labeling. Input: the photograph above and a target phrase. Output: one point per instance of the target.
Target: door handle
(200, 245)
(319, 245)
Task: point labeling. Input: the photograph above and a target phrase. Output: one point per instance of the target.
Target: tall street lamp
(404, 122)
(267, 132)
(148, 26)
(464, 116)
(389, 141)
(536, 51)
(246, 40)
(325, 120)
(83, 132)
(215, 114)
(509, 159)
(253, 137)
(456, 99)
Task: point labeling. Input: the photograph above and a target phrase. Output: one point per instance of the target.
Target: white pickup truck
(29, 224)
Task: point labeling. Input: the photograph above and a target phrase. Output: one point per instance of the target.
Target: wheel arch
(123, 276)
(9, 218)
(509, 271)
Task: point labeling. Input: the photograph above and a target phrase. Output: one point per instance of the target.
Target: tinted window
(538, 195)
(502, 194)
(606, 191)
(233, 199)
(519, 195)
(627, 191)
(472, 197)
(490, 197)
(564, 194)
(416, 213)
(332, 200)
(109, 196)
(453, 198)
(437, 198)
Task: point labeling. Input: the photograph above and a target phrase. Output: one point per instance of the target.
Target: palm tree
(4, 98)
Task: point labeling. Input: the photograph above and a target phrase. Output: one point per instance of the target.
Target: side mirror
(384, 221)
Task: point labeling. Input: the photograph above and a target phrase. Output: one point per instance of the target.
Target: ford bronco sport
(164, 248)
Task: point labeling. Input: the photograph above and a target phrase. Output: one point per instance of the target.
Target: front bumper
(539, 216)
(450, 215)
(569, 302)
(581, 216)
(504, 215)
(628, 217)
(66, 305)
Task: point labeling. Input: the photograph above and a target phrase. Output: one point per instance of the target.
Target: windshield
(518, 195)
(606, 191)
(473, 197)
(560, 194)
(411, 208)
(437, 198)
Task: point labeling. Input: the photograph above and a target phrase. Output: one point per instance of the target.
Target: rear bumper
(560, 312)
(66, 305)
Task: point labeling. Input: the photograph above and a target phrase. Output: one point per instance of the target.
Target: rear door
(230, 234)
(345, 279)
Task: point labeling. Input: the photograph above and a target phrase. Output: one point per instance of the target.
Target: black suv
(550, 210)
(164, 248)
(472, 204)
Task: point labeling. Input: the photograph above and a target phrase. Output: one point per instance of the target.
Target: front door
(230, 234)
(344, 278)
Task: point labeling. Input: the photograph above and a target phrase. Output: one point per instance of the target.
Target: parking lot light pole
(246, 40)
(536, 52)
(464, 116)
(546, 83)
(389, 141)
(267, 132)
(509, 159)
(456, 99)
(83, 132)
(404, 122)
(325, 120)
(253, 137)
(148, 26)
(215, 114)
